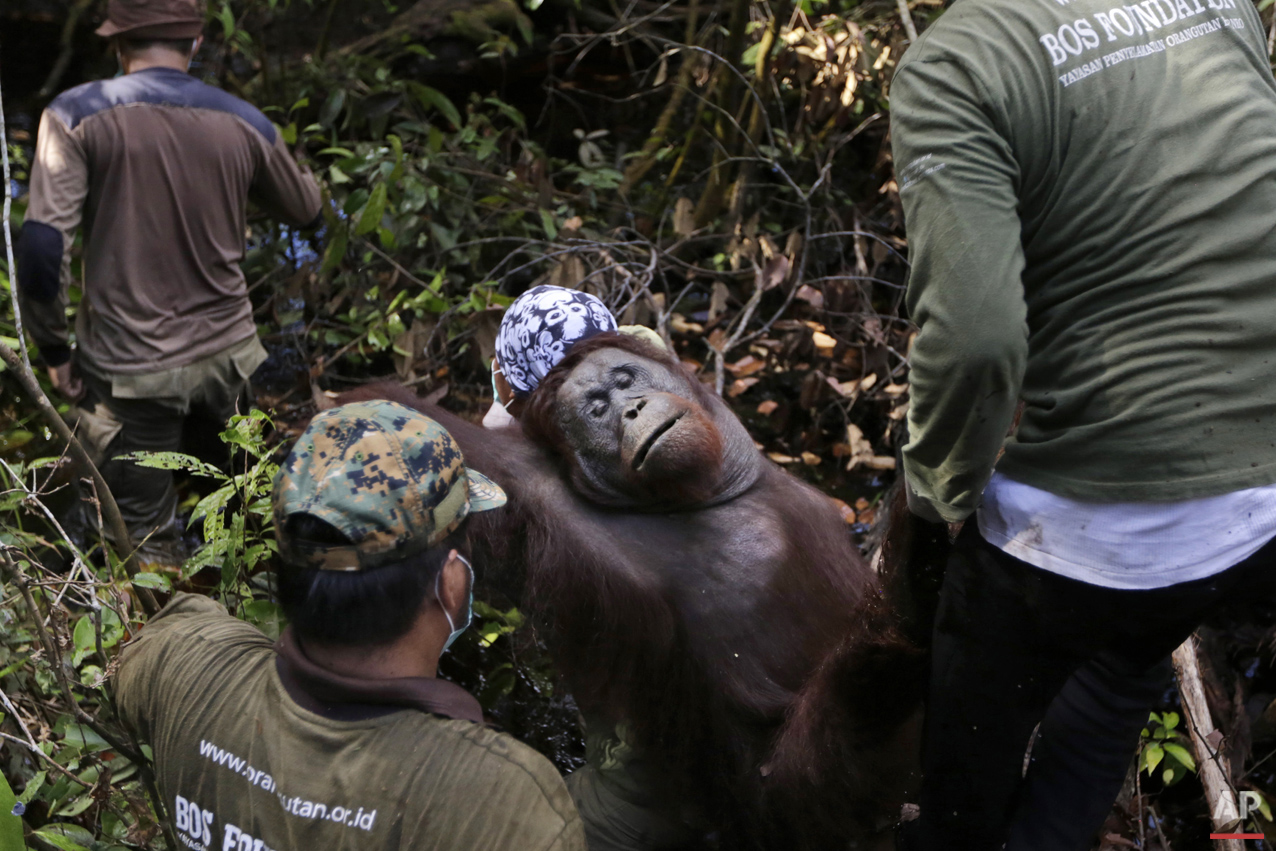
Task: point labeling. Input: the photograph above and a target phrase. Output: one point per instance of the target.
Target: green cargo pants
(618, 794)
(150, 412)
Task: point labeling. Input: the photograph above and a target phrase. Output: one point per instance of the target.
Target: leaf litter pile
(719, 172)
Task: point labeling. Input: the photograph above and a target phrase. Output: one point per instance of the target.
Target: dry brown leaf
(717, 339)
(567, 273)
(773, 272)
(868, 381)
(867, 517)
(811, 296)
(409, 347)
(485, 324)
(810, 459)
(899, 412)
(324, 399)
(848, 514)
(718, 300)
(895, 389)
(880, 462)
(768, 407)
(846, 389)
(781, 458)
(684, 217)
(862, 504)
(764, 242)
(746, 366)
(681, 325)
(861, 450)
(824, 344)
(740, 385)
(574, 223)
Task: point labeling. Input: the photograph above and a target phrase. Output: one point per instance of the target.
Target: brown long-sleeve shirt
(158, 167)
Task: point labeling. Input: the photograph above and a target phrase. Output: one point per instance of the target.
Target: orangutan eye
(624, 379)
(597, 406)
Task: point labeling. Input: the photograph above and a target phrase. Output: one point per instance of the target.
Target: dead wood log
(1212, 765)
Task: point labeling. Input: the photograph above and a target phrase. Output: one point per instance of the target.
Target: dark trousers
(1015, 646)
(110, 426)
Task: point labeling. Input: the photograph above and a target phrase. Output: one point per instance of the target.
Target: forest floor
(720, 172)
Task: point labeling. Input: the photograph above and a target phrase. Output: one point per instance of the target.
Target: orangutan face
(636, 431)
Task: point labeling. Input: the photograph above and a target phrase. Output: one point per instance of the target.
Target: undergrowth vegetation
(719, 171)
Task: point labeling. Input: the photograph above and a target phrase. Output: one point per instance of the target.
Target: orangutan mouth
(643, 451)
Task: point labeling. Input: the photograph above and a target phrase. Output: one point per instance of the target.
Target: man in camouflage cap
(340, 735)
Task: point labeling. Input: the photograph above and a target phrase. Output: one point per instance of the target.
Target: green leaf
(173, 461)
(336, 250)
(210, 507)
(56, 835)
(341, 152)
(84, 738)
(84, 636)
(11, 825)
(29, 793)
(370, 219)
(397, 144)
(75, 807)
(1170, 720)
(1180, 753)
(429, 97)
(227, 18)
(547, 222)
(508, 111)
(157, 581)
(1152, 756)
(331, 110)
(336, 175)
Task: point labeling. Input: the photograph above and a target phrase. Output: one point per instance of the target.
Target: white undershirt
(1127, 545)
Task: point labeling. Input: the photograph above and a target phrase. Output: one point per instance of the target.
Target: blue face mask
(469, 606)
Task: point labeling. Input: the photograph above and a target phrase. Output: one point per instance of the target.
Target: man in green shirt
(340, 735)
(1090, 195)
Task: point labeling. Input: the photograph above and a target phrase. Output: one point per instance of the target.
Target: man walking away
(1090, 192)
(339, 735)
(158, 168)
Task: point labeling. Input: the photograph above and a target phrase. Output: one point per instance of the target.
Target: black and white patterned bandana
(540, 328)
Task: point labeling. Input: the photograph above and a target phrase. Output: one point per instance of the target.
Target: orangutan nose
(634, 408)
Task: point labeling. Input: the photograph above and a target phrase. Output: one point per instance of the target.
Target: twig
(1271, 39)
(67, 42)
(8, 240)
(907, 17)
(1160, 834)
(110, 508)
(13, 710)
(1138, 796)
(57, 766)
(59, 666)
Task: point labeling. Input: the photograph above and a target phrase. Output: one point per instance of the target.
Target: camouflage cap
(390, 479)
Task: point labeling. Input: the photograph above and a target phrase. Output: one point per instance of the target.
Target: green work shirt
(1089, 190)
(243, 766)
